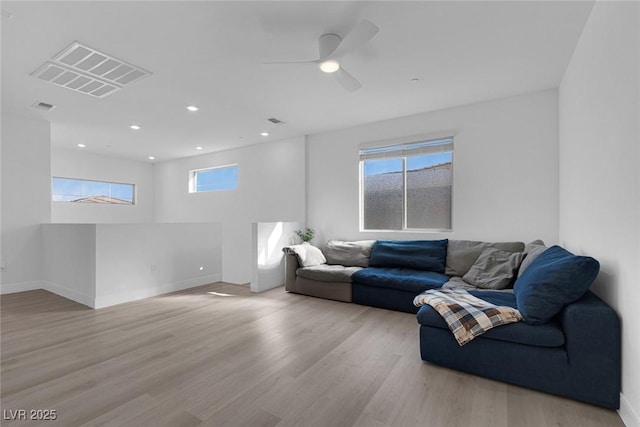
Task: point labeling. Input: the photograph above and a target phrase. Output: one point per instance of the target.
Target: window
(214, 179)
(407, 186)
(87, 191)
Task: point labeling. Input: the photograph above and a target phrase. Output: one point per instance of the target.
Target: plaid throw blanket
(466, 315)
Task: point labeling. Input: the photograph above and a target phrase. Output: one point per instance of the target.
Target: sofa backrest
(428, 255)
(461, 254)
(349, 254)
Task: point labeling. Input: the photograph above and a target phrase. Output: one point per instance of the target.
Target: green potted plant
(306, 235)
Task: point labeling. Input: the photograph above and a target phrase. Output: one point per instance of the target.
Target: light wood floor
(218, 355)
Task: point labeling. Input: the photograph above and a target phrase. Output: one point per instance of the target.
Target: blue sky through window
(71, 190)
(380, 166)
(223, 178)
(420, 162)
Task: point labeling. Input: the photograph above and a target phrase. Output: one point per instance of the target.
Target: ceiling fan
(331, 48)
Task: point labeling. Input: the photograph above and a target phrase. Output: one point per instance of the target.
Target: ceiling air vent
(275, 121)
(43, 106)
(86, 70)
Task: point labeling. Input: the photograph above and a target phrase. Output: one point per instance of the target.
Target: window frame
(193, 179)
(134, 195)
(399, 142)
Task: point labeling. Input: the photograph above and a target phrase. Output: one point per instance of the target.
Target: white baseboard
(629, 416)
(137, 294)
(67, 293)
(12, 288)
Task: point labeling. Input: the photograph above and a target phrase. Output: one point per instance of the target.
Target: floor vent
(86, 70)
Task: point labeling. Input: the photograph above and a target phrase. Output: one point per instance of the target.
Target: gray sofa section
(331, 280)
(322, 281)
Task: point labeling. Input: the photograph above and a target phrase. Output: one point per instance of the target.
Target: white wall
(106, 264)
(271, 188)
(505, 171)
(599, 178)
(26, 193)
(1, 259)
(69, 261)
(268, 239)
(83, 165)
(136, 261)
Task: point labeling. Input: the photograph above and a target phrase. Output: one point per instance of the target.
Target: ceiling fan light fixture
(330, 66)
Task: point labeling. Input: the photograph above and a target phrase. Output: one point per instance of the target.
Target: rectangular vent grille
(43, 106)
(275, 121)
(85, 70)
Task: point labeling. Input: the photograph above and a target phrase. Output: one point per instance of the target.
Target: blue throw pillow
(554, 279)
(429, 255)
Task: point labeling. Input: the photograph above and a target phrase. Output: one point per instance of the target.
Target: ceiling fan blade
(347, 81)
(361, 34)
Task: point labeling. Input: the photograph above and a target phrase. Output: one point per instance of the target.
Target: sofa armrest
(290, 266)
(592, 337)
(590, 324)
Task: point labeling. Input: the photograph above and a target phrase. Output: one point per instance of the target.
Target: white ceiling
(210, 54)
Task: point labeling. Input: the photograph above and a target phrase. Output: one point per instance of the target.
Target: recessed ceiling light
(192, 108)
(264, 133)
(330, 66)
(414, 81)
(151, 158)
(198, 148)
(134, 127)
(81, 145)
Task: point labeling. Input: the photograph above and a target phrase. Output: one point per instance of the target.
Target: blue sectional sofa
(568, 343)
(393, 288)
(400, 270)
(576, 355)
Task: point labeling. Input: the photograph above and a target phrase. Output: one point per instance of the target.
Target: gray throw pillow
(349, 254)
(494, 269)
(531, 252)
(461, 254)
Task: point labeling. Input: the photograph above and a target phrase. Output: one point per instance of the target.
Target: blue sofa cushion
(547, 335)
(404, 279)
(554, 279)
(429, 255)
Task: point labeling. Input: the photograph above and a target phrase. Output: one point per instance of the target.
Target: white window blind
(433, 146)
